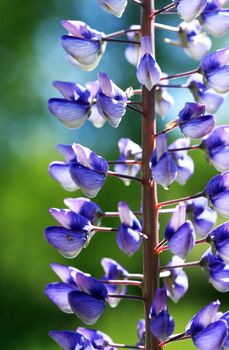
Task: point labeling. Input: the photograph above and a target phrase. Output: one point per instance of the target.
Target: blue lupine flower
(208, 333)
(179, 233)
(162, 324)
(162, 164)
(208, 97)
(85, 170)
(219, 238)
(217, 190)
(79, 293)
(111, 100)
(128, 150)
(114, 271)
(70, 238)
(194, 41)
(74, 109)
(163, 100)
(141, 330)
(184, 163)
(215, 19)
(70, 340)
(217, 270)
(148, 71)
(225, 317)
(188, 10)
(216, 146)
(95, 118)
(193, 122)
(215, 68)
(201, 215)
(98, 339)
(177, 282)
(128, 236)
(115, 7)
(84, 45)
(132, 51)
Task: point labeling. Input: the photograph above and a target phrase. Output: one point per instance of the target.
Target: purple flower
(194, 41)
(189, 10)
(179, 233)
(84, 169)
(79, 293)
(111, 100)
(128, 236)
(115, 7)
(70, 340)
(193, 122)
(84, 45)
(128, 150)
(215, 68)
(219, 238)
(148, 71)
(208, 333)
(208, 97)
(177, 282)
(201, 215)
(162, 164)
(216, 146)
(217, 270)
(141, 329)
(95, 118)
(114, 271)
(132, 51)
(99, 340)
(215, 19)
(162, 324)
(217, 190)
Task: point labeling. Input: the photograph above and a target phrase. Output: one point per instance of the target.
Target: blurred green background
(30, 58)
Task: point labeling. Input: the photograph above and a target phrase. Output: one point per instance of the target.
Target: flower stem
(177, 337)
(132, 42)
(116, 213)
(190, 148)
(184, 199)
(124, 346)
(122, 33)
(134, 109)
(176, 86)
(127, 296)
(112, 173)
(162, 10)
(166, 27)
(104, 229)
(189, 264)
(125, 162)
(135, 275)
(122, 282)
(180, 75)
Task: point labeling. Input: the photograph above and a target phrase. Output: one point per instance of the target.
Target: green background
(30, 58)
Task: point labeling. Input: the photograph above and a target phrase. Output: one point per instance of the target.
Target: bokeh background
(30, 59)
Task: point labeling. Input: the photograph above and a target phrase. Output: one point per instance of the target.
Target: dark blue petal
(86, 208)
(148, 71)
(58, 294)
(91, 286)
(65, 88)
(70, 340)
(113, 270)
(220, 239)
(198, 127)
(159, 302)
(111, 109)
(164, 172)
(98, 163)
(69, 219)
(98, 339)
(162, 326)
(183, 240)
(86, 307)
(212, 337)
(128, 240)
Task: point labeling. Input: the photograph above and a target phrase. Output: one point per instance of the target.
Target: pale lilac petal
(58, 294)
(212, 337)
(60, 172)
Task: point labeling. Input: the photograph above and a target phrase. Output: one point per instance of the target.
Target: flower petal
(212, 337)
(60, 172)
(58, 294)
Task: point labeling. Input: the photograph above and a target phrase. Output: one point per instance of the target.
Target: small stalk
(135, 109)
(124, 162)
(175, 86)
(135, 275)
(104, 229)
(112, 173)
(130, 297)
(184, 199)
(124, 346)
(170, 126)
(180, 75)
(190, 148)
(162, 10)
(159, 245)
(132, 42)
(188, 264)
(181, 336)
(166, 27)
(116, 213)
(122, 282)
(122, 33)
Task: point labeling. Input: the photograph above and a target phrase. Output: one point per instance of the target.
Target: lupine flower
(114, 271)
(70, 340)
(215, 68)
(74, 109)
(163, 100)
(194, 41)
(184, 163)
(128, 150)
(111, 100)
(217, 190)
(177, 283)
(79, 293)
(128, 236)
(208, 97)
(179, 233)
(215, 19)
(162, 164)
(132, 51)
(193, 122)
(84, 45)
(115, 7)
(162, 324)
(95, 118)
(84, 169)
(217, 270)
(216, 146)
(189, 10)
(72, 236)
(201, 215)
(141, 330)
(219, 238)
(225, 317)
(99, 340)
(148, 71)
(208, 333)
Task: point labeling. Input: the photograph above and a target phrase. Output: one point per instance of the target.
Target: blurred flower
(148, 71)
(128, 236)
(111, 100)
(215, 19)
(162, 324)
(208, 97)
(115, 7)
(163, 100)
(85, 170)
(219, 238)
(141, 329)
(189, 10)
(83, 44)
(215, 68)
(132, 51)
(70, 340)
(217, 190)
